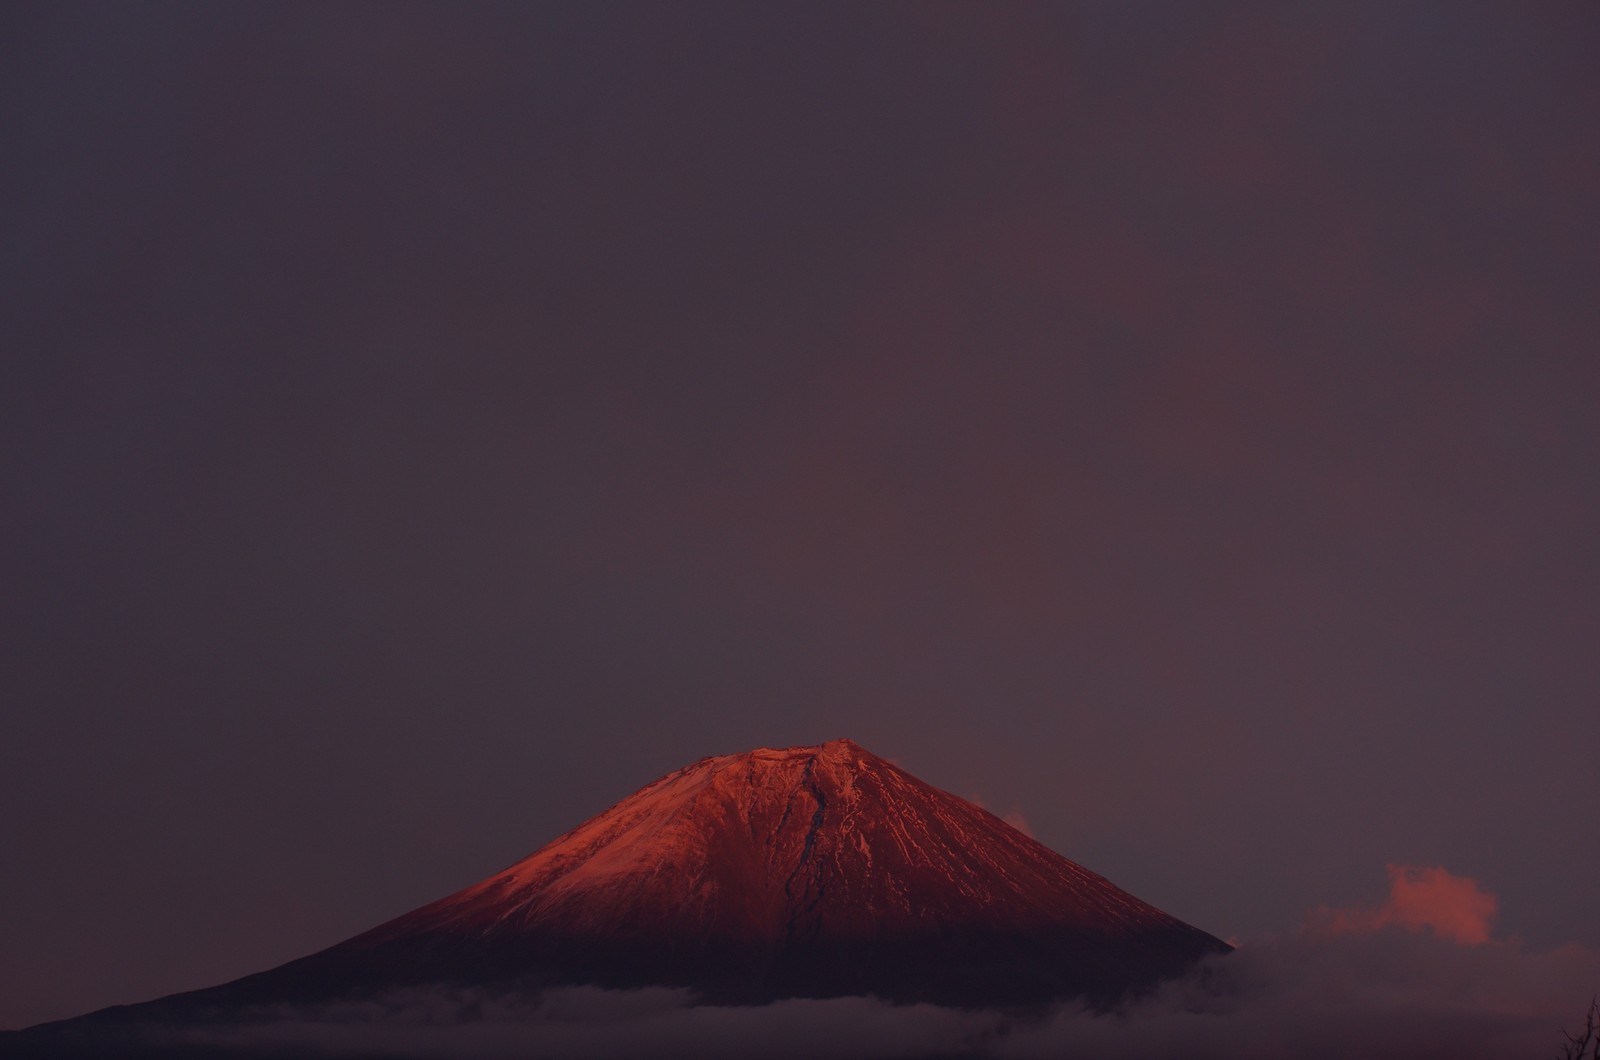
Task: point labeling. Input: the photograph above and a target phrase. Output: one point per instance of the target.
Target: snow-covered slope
(808, 871)
(777, 845)
(805, 872)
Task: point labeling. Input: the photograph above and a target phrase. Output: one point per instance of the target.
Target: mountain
(806, 872)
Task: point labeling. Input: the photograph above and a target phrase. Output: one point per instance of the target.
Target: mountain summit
(803, 872)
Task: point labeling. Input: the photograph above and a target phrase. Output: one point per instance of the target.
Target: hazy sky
(423, 425)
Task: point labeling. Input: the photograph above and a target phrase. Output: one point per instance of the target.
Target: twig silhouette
(1585, 1046)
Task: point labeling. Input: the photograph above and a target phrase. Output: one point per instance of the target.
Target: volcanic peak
(772, 846)
(818, 871)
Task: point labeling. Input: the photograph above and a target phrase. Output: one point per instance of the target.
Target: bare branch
(1585, 1046)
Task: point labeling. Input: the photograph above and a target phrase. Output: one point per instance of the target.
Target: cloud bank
(1419, 976)
(1391, 993)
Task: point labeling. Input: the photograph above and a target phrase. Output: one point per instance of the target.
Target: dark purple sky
(422, 426)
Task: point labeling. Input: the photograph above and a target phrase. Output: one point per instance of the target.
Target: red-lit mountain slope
(807, 872)
(810, 871)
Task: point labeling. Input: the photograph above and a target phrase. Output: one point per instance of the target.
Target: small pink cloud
(1019, 822)
(1452, 907)
(1013, 817)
